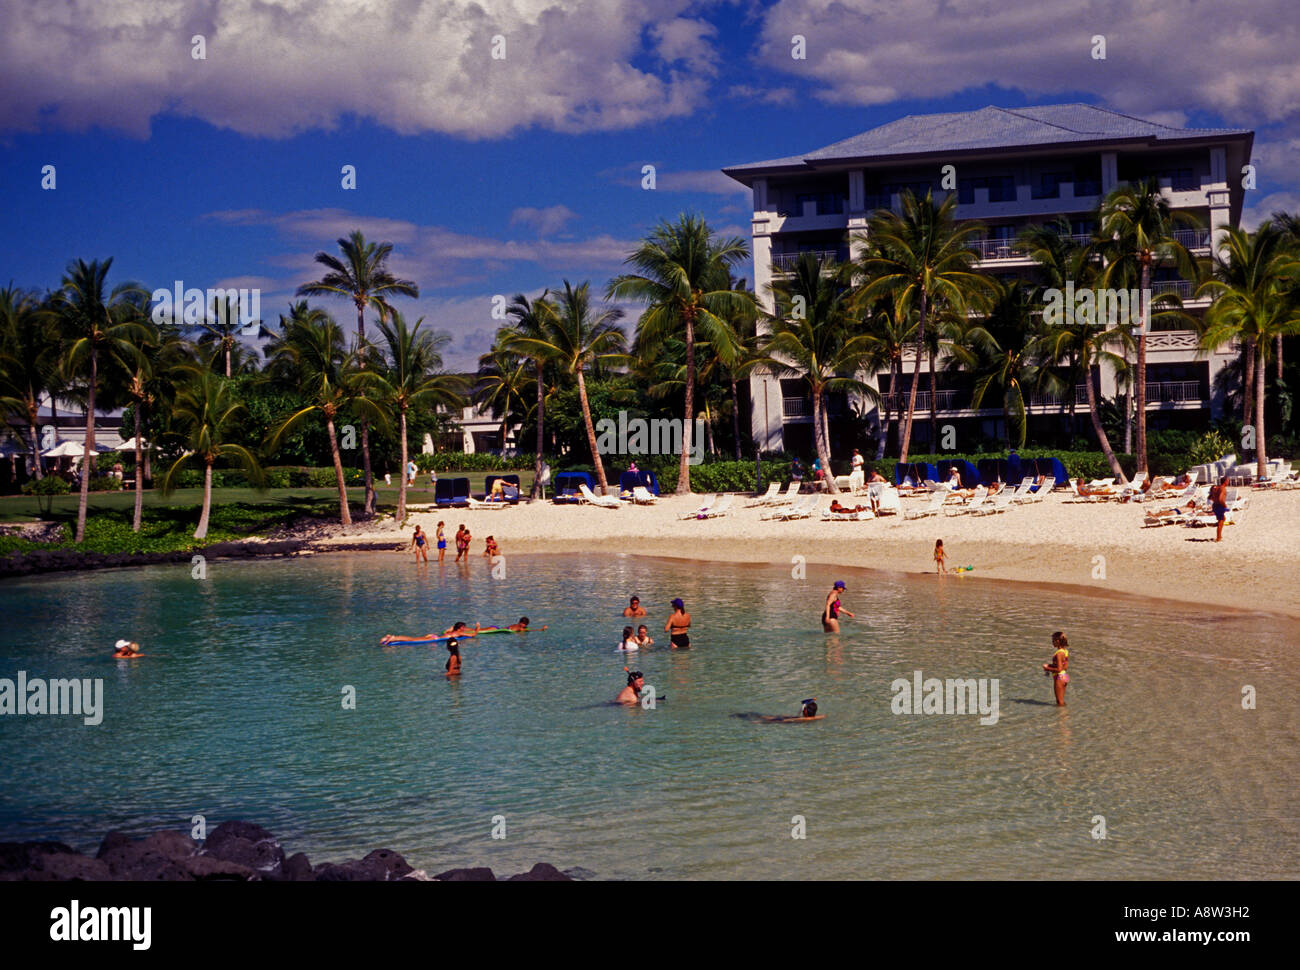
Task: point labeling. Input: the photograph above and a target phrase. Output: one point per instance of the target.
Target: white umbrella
(129, 445)
(72, 449)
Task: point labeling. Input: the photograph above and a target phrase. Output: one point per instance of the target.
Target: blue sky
(497, 176)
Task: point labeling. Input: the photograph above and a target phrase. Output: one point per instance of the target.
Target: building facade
(1010, 169)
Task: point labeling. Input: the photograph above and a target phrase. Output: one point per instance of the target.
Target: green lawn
(24, 508)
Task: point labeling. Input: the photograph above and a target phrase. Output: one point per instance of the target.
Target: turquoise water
(237, 713)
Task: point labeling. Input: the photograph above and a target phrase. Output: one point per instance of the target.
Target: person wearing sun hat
(831, 612)
(126, 649)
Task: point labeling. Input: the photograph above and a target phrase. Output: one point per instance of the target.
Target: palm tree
(1289, 224)
(531, 320)
(811, 337)
(1005, 358)
(362, 276)
(94, 324)
(134, 376)
(1250, 285)
(1136, 230)
(921, 256)
(576, 338)
(29, 349)
(890, 325)
(502, 377)
(411, 378)
(206, 410)
(311, 349)
(681, 274)
(221, 328)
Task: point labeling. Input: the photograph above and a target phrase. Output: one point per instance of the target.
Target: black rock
(296, 868)
(480, 874)
(209, 868)
(542, 872)
(112, 841)
(393, 865)
(20, 856)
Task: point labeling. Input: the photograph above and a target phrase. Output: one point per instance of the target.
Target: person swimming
(460, 629)
(631, 694)
(807, 712)
(643, 637)
(126, 650)
(629, 641)
(521, 626)
(453, 658)
(677, 626)
(831, 612)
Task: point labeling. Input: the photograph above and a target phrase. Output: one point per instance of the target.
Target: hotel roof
(987, 129)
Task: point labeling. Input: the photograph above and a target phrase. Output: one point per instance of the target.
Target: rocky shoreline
(234, 851)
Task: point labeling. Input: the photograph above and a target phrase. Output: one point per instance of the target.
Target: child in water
(453, 658)
(643, 637)
(629, 641)
(940, 558)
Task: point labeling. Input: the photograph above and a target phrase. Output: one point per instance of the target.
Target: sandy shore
(1255, 568)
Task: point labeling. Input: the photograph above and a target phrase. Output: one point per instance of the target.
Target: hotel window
(1049, 184)
(828, 203)
(1002, 188)
(1082, 227)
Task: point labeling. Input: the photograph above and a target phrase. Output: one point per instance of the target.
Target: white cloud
(277, 67)
(1263, 210)
(546, 221)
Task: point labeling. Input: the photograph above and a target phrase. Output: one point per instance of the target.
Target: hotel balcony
(785, 262)
(1186, 393)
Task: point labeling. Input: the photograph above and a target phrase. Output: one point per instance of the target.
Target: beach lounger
(604, 501)
(801, 509)
(937, 498)
(641, 496)
(1037, 492)
(1001, 502)
(976, 501)
(702, 511)
(1022, 492)
(888, 501)
(773, 488)
(863, 516)
(725, 501)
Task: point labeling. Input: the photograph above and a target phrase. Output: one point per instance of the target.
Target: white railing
(996, 248)
(1050, 399)
(785, 262)
(1173, 392)
(1193, 238)
(944, 401)
(1181, 287)
(796, 407)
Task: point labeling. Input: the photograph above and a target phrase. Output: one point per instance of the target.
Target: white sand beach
(1255, 568)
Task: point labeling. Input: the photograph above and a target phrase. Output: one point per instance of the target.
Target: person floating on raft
(126, 650)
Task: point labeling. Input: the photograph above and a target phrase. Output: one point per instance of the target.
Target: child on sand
(940, 558)
(491, 550)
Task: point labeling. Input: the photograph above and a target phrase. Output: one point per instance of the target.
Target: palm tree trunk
(1279, 357)
(708, 429)
(345, 515)
(820, 438)
(1141, 394)
(934, 410)
(226, 342)
(369, 506)
(735, 416)
(916, 382)
(401, 488)
(684, 469)
(591, 435)
(1074, 398)
(36, 445)
(202, 531)
(89, 449)
(1261, 458)
(1099, 431)
(541, 406)
(1247, 382)
(139, 478)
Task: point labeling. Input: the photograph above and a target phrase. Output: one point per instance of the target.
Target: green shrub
(1212, 446)
(459, 461)
(49, 485)
(105, 483)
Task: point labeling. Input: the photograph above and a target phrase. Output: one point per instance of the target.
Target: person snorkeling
(631, 694)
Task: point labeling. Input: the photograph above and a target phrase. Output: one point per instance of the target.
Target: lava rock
(542, 872)
(209, 868)
(20, 856)
(392, 864)
(480, 874)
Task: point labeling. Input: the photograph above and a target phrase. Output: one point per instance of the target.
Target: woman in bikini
(833, 609)
(442, 541)
(1056, 667)
(677, 626)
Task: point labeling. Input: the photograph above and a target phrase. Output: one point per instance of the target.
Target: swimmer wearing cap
(677, 626)
(126, 650)
(833, 609)
(631, 694)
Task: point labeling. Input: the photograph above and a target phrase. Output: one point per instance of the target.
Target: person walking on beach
(831, 612)
(420, 543)
(1219, 504)
(677, 626)
(442, 541)
(462, 543)
(634, 608)
(940, 558)
(1056, 667)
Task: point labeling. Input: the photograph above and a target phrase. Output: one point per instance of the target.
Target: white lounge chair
(1001, 502)
(864, 516)
(801, 509)
(978, 499)
(641, 495)
(604, 501)
(1023, 490)
(888, 501)
(937, 498)
(773, 488)
(1037, 494)
(702, 510)
(725, 502)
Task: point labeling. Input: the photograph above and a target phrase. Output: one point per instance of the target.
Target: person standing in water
(420, 543)
(442, 541)
(453, 658)
(1056, 667)
(940, 557)
(677, 626)
(631, 694)
(833, 609)
(629, 641)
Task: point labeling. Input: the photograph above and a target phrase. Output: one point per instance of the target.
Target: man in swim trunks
(634, 608)
(631, 694)
(1219, 504)
(833, 609)
(677, 626)
(1056, 667)
(453, 658)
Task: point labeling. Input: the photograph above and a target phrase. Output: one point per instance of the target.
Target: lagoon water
(237, 713)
